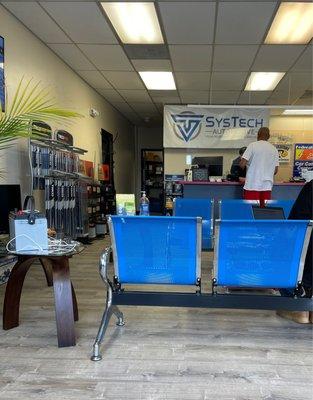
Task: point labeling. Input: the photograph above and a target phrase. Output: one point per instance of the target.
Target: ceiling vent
(147, 52)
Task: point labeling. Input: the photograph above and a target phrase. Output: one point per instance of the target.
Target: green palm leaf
(31, 102)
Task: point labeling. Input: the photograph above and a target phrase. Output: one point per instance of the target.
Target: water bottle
(144, 204)
(120, 210)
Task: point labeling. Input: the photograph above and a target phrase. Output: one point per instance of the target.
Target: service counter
(234, 190)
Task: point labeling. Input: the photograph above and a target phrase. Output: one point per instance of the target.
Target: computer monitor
(213, 164)
(10, 199)
(268, 212)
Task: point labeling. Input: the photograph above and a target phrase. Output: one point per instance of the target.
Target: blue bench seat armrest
(304, 251)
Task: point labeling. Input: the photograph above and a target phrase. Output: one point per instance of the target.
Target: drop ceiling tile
(295, 82)
(111, 95)
(82, 21)
(163, 93)
(194, 96)
(243, 22)
(149, 114)
(107, 57)
(275, 57)
(279, 98)
(144, 107)
(254, 97)
(228, 80)
(191, 58)
(224, 97)
(305, 100)
(72, 56)
(166, 100)
(188, 22)
(124, 80)
(193, 80)
(152, 65)
(304, 63)
(135, 96)
(37, 20)
(123, 107)
(95, 79)
(233, 58)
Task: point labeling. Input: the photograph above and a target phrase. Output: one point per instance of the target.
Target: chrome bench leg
(119, 315)
(109, 308)
(96, 356)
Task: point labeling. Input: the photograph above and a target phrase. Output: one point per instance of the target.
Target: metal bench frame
(118, 296)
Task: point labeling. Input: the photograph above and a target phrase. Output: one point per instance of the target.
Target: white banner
(219, 128)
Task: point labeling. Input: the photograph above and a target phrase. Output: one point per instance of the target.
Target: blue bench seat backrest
(259, 253)
(198, 208)
(242, 209)
(156, 250)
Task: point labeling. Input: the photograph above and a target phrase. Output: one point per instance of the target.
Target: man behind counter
(262, 160)
(235, 171)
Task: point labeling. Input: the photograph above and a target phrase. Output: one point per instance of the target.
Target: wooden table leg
(46, 266)
(11, 305)
(63, 296)
(75, 307)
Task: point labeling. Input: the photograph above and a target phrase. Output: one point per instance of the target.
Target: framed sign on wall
(2, 88)
(303, 160)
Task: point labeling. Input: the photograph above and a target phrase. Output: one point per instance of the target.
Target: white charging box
(28, 237)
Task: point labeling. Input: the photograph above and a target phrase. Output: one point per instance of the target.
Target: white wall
(25, 55)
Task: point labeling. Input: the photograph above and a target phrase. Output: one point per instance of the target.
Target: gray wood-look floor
(161, 353)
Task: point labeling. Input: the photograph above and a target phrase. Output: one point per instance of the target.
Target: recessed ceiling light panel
(135, 23)
(158, 80)
(298, 112)
(292, 24)
(263, 80)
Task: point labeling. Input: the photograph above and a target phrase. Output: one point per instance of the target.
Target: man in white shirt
(262, 161)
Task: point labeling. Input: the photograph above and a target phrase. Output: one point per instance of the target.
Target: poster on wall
(284, 152)
(2, 88)
(303, 160)
(186, 127)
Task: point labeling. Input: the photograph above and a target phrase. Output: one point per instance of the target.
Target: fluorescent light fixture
(263, 80)
(292, 24)
(158, 80)
(298, 112)
(135, 23)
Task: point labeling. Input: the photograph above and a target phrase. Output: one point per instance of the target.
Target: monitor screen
(213, 164)
(268, 212)
(10, 199)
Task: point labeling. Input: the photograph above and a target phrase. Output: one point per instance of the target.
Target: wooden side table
(66, 311)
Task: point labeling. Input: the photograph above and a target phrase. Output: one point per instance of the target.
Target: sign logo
(187, 125)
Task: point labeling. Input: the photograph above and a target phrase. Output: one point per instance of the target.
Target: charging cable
(54, 245)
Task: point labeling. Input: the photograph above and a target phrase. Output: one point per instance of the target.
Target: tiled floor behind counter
(161, 353)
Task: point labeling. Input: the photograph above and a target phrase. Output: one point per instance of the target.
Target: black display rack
(152, 178)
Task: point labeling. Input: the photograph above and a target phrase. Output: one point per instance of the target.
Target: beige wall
(25, 55)
(297, 129)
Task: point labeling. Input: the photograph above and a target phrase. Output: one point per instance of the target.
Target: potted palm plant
(31, 102)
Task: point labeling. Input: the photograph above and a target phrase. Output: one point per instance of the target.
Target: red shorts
(255, 195)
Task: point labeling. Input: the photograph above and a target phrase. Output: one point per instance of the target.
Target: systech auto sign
(186, 127)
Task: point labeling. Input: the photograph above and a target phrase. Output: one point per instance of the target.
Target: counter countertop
(226, 183)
